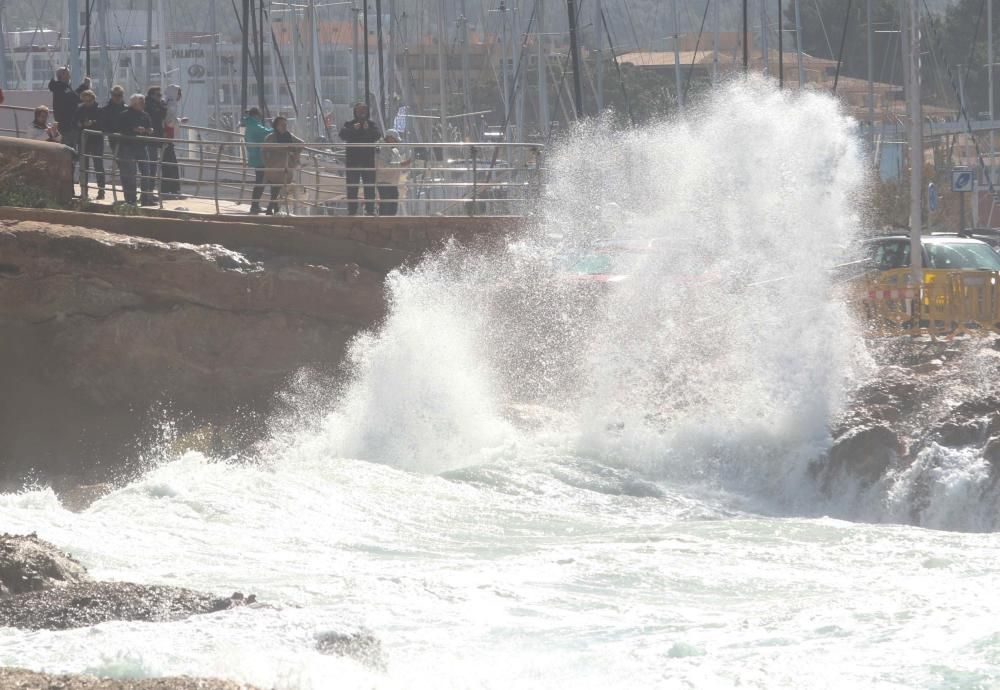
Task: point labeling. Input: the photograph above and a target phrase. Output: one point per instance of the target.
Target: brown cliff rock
(98, 329)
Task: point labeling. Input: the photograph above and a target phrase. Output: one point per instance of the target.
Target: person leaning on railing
(360, 159)
(255, 132)
(156, 108)
(88, 117)
(41, 130)
(388, 175)
(110, 114)
(133, 156)
(280, 161)
(170, 185)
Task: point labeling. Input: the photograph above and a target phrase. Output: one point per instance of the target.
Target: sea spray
(719, 355)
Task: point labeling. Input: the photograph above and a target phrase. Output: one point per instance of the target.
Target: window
(891, 254)
(962, 255)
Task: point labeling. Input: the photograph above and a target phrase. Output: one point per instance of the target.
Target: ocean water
(530, 478)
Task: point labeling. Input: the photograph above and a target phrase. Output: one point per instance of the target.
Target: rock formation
(30, 564)
(104, 332)
(39, 167)
(43, 588)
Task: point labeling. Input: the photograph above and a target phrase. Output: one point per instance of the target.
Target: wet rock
(85, 604)
(78, 498)
(360, 646)
(864, 453)
(954, 434)
(30, 564)
(23, 679)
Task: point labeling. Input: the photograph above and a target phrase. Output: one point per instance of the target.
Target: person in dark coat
(360, 160)
(156, 108)
(88, 117)
(133, 156)
(110, 113)
(64, 102)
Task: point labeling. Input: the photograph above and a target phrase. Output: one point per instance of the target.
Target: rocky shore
(898, 438)
(22, 679)
(43, 588)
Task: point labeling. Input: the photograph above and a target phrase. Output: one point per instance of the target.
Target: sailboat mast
(245, 59)
(911, 44)
(599, 24)
(381, 60)
(149, 47)
(764, 48)
(88, 11)
(677, 58)
(543, 73)
(746, 39)
(798, 46)
(215, 62)
(368, 78)
(442, 90)
(716, 20)
(3, 51)
(574, 48)
(73, 29)
(162, 40)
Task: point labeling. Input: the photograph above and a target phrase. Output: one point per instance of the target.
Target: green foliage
(16, 193)
(128, 210)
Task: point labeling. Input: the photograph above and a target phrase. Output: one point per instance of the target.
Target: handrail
(316, 182)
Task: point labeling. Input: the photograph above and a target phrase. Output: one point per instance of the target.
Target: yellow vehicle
(960, 289)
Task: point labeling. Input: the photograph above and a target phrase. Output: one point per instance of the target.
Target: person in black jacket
(64, 102)
(133, 156)
(88, 117)
(109, 114)
(156, 108)
(360, 159)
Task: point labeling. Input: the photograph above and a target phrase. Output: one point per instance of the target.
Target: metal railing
(22, 123)
(309, 178)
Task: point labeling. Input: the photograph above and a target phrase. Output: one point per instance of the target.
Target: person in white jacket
(389, 169)
(41, 130)
(170, 185)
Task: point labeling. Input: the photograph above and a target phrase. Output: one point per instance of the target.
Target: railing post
(475, 180)
(218, 162)
(84, 173)
(161, 148)
(318, 180)
(243, 173)
(114, 167)
(201, 165)
(17, 127)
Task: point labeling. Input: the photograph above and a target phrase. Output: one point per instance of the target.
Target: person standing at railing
(255, 132)
(64, 102)
(41, 130)
(88, 117)
(389, 173)
(133, 156)
(360, 159)
(110, 114)
(170, 186)
(156, 108)
(280, 161)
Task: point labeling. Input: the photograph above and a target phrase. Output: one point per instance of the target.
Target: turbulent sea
(528, 480)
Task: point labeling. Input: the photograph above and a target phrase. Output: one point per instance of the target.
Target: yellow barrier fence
(948, 302)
